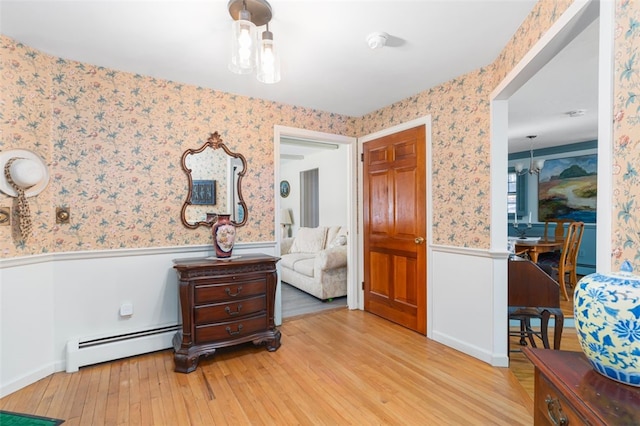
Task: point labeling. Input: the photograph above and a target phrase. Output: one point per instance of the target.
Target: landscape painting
(567, 189)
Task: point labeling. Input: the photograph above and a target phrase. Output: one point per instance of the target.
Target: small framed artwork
(204, 192)
(284, 189)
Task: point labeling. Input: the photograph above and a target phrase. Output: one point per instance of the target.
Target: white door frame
(426, 121)
(575, 19)
(352, 258)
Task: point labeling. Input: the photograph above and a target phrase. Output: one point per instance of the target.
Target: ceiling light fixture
(246, 51)
(534, 167)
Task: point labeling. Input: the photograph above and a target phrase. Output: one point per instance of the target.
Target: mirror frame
(214, 142)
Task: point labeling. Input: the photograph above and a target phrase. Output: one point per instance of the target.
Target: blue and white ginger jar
(606, 311)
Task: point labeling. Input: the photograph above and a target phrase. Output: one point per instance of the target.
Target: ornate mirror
(215, 184)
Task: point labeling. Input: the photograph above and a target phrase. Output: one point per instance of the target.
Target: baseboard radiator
(89, 351)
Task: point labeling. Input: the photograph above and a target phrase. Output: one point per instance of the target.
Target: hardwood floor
(334, 367)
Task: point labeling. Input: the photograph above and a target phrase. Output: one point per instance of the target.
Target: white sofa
(315, 261)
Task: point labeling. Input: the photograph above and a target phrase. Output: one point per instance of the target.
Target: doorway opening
(573, 22)
(319, 170)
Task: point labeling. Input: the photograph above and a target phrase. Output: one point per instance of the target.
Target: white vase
(606, 311)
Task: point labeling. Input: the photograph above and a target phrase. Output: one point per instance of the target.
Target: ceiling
(326, 62)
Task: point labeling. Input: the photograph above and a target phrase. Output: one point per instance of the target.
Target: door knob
(419, 240)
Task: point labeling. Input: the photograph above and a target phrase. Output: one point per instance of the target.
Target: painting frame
(203, 193)
(568, 187)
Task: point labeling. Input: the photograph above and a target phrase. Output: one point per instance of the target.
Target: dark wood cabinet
(568, 391)
(224, 303)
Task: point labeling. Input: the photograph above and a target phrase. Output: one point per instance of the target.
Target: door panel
(394, 228)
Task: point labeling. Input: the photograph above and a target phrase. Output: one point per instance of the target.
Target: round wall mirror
(215, 184)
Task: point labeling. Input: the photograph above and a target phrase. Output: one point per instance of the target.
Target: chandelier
(247, 52)
(534, 166)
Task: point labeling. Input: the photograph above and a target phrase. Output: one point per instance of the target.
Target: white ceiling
(326, 63)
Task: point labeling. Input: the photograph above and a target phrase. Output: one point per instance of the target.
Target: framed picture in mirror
(204, 192)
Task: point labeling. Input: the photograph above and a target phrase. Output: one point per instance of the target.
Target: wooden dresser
(224, 303)
(568, 391)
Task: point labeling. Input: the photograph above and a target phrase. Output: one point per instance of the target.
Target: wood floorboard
(334, 367)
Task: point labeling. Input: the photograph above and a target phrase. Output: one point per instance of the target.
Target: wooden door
(395, 228)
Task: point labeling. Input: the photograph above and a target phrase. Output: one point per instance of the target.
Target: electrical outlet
(126, 309)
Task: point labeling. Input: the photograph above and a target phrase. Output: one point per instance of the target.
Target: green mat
(7, 418)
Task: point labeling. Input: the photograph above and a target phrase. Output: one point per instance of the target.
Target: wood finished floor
(334, 367)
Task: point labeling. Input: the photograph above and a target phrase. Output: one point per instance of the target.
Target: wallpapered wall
(114, 141)
(626, 136)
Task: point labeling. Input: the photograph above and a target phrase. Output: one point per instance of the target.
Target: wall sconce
(24, 174)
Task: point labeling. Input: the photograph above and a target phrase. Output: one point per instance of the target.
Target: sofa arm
(331, 258)
(285, 245)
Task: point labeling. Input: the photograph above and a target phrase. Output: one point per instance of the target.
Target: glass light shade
(519, 167)
(539, 164)
(243, 46)
(268, 60)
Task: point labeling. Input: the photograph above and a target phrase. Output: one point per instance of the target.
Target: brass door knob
(419, 240)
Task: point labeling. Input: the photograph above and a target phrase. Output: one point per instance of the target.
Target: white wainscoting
(49, 300)
(468, 301)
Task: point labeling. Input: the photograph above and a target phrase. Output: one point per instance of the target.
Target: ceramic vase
(224, 236)
(607, 319)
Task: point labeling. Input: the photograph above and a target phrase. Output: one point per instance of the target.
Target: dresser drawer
(226, 330)
(209, 293)
(229, 310)
(551, 408)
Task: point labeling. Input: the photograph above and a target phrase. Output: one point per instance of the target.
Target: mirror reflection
(215, 181)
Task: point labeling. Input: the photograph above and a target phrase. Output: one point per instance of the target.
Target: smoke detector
(377, 40)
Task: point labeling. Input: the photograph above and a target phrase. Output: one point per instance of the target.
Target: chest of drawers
(568, 391)
(224, 303)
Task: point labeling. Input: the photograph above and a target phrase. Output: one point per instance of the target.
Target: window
(516, 193)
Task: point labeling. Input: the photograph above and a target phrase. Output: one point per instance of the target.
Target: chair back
(559, 229)
(569, 255)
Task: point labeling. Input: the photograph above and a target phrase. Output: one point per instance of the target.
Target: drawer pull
(233, 333)
(228, 310)
(237, 293)
(555, 412)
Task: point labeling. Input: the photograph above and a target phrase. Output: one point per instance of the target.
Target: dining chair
(558, 234)
(568, 260)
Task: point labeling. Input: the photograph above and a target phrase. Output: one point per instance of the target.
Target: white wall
(332, 168)
(49, 300)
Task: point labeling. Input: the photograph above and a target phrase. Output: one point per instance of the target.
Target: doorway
(335, 183)
(577, 17)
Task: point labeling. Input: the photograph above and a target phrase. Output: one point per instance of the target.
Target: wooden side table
(568, 391)
(224, 303)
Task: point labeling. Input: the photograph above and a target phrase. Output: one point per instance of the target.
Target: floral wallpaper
(114, 141)
(461, 153)
(626, 136)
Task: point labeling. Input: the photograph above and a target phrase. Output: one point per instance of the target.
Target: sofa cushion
(340, 240)
(289, 261)
(309, 240)
(305, 266)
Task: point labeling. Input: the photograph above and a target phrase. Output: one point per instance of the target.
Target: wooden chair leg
(563, 284)
(529, 332)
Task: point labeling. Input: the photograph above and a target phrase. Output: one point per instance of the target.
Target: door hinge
(363, 285)
(362, 157)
